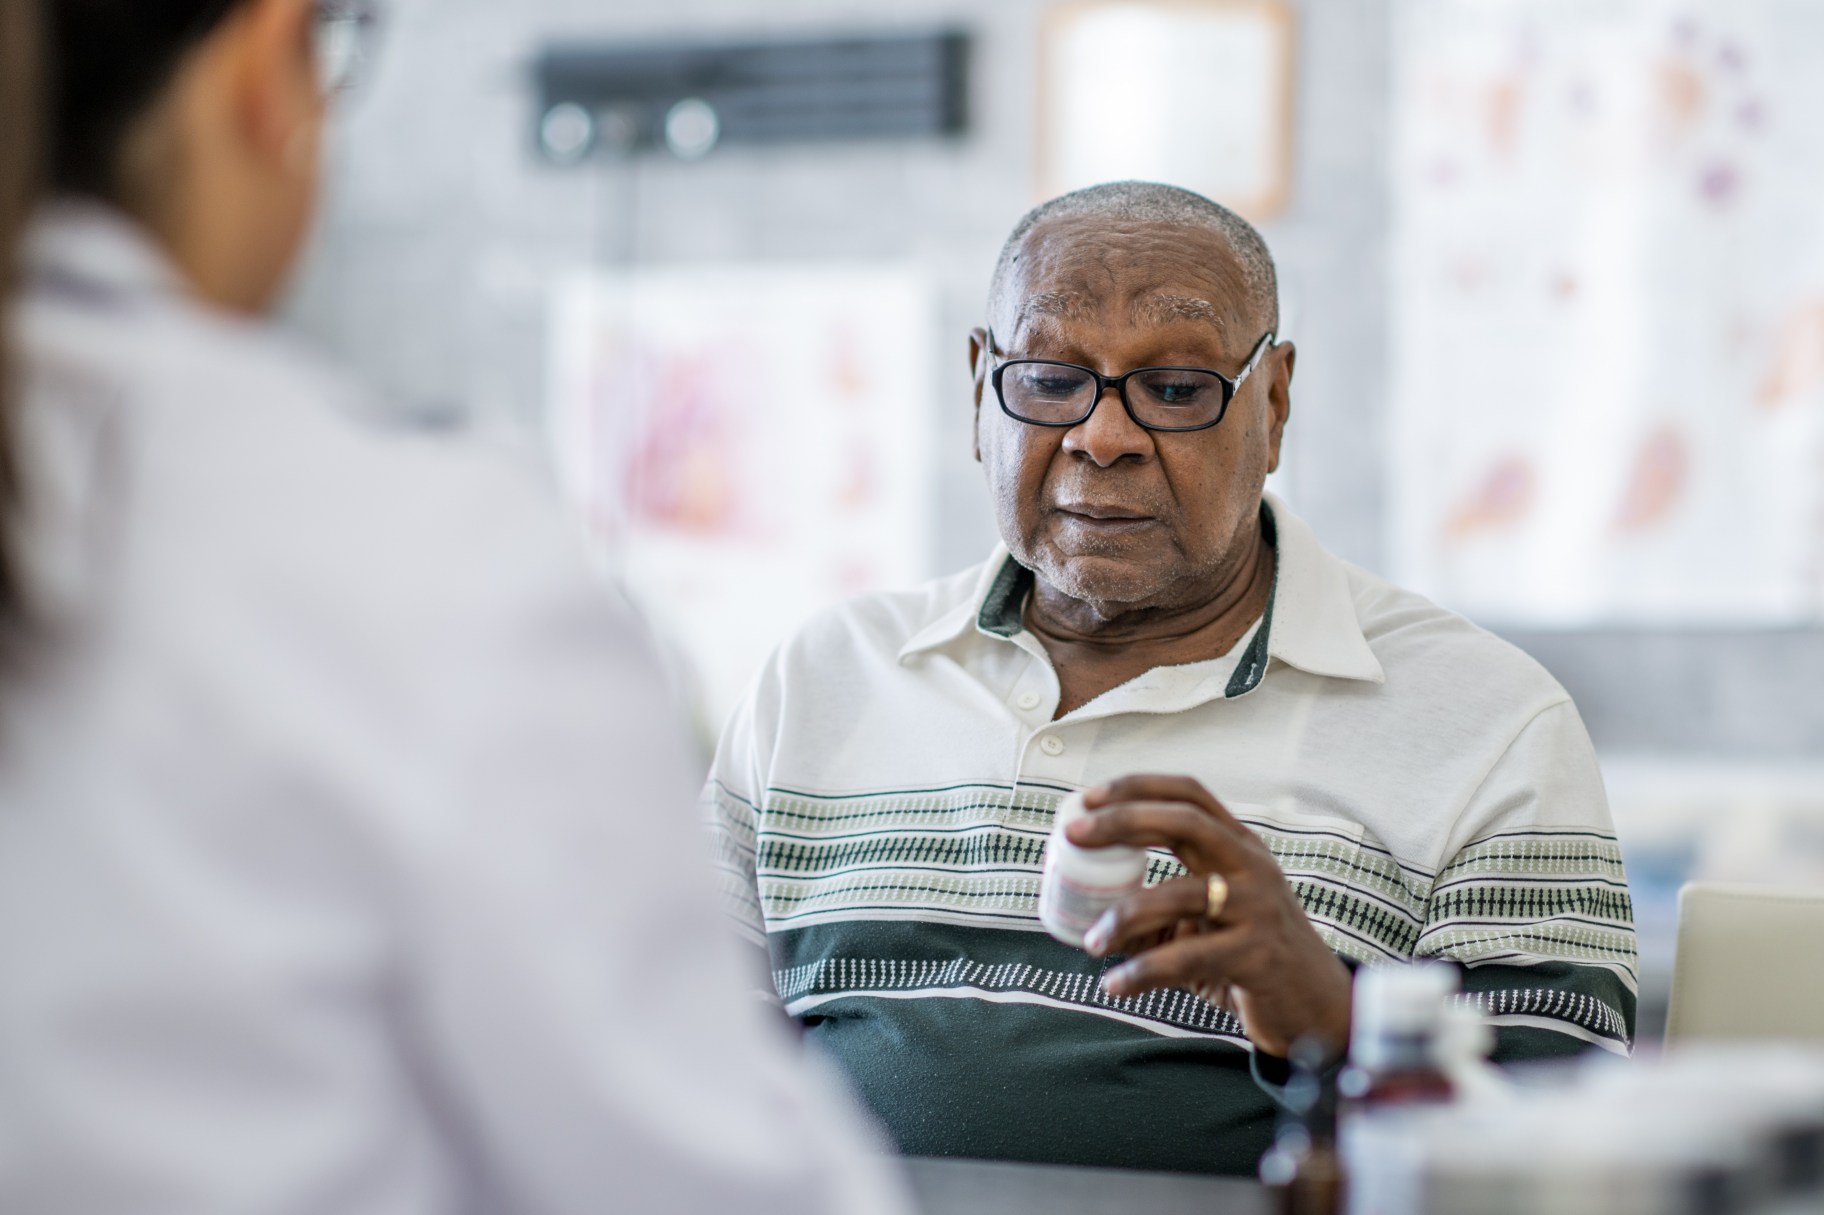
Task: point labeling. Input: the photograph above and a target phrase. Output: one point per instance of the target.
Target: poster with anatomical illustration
(1608, 309)
(747, 445)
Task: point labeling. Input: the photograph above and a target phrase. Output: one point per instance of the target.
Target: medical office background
(1555, 269)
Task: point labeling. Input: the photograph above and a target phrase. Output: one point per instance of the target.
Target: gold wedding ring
(1216, 890)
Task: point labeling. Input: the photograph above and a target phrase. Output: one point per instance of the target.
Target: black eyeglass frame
(1230, 386)
(361, 18)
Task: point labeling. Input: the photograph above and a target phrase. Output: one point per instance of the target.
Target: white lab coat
(347, 861)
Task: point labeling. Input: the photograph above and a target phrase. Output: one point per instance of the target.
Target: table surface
(993, 1187)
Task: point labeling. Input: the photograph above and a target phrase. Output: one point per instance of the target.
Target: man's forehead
(1152, 306)
(1150, 274)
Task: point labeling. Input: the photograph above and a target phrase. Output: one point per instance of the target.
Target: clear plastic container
(1079, 884)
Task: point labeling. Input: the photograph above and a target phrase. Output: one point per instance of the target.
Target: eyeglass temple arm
(1261, 347)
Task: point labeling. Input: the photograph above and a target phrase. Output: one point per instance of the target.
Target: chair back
(1750, 963)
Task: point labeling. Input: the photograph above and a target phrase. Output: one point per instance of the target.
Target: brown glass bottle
(1397, 1032)
(1406, 1071)
(1302, 1172)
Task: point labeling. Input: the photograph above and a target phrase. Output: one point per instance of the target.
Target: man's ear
(1279, 366)
(279, 100)
(978, 375)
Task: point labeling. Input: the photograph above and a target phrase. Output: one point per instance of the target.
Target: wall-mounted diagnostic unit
(690, 98)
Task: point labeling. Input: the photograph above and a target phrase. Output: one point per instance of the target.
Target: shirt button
(1051, 744)
(1028, 700)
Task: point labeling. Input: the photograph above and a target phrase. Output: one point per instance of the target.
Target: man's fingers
(1200, 961)
(1158, 788)
(1200, 841)
(1138, 919)
(1151, 787)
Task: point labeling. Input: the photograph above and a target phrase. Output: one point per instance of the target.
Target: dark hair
(75, 75)
(110, 60)
(19, 144)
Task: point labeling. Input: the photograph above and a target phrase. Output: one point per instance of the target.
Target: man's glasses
(344, 32)
(1047, 393)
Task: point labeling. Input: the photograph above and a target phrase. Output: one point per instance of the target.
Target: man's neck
(1094, 649)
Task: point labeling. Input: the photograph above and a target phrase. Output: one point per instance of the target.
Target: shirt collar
(1315, 626)
(74, 245)
(998, 570)
(1310, 621)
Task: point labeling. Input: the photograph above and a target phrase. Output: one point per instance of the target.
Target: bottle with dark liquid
(1395, 1048)
(1396, 1067)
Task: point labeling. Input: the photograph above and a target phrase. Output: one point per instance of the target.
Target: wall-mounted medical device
(689, 98)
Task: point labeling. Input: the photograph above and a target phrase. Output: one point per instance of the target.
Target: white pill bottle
(1079, 884)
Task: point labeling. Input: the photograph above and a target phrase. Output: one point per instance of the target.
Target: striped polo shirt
(882, 798)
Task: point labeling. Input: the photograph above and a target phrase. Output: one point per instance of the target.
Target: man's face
(1107, 512)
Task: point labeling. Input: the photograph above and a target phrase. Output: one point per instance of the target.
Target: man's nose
(1108, 434)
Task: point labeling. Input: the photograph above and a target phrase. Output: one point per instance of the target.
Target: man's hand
(1260, 956)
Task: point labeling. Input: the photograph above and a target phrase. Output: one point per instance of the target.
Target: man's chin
(1108, 581)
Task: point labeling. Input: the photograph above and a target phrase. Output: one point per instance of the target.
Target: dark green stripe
(950, 1077)
(1504, 901)
(1000, 614)
(1253, 665)
(864, 794)
(1531, 987)
(778, 856)
(922, 946)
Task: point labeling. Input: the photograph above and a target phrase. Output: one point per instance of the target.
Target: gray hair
(1150, 202)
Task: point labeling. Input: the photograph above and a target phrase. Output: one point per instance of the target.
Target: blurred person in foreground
(19, 122)
(344, 834)
(1330, 771)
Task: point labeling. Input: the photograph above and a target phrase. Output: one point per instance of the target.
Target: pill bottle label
(1068, 909)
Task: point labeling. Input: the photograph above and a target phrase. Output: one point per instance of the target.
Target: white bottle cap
(1398, 1002)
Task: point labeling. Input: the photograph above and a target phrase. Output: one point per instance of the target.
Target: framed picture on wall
(1196, 93)
(752, 435)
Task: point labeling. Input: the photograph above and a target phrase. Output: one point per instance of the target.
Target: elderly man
(1330, 772)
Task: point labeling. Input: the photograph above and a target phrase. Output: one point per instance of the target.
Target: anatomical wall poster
(1608, 309)
(748, 445)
